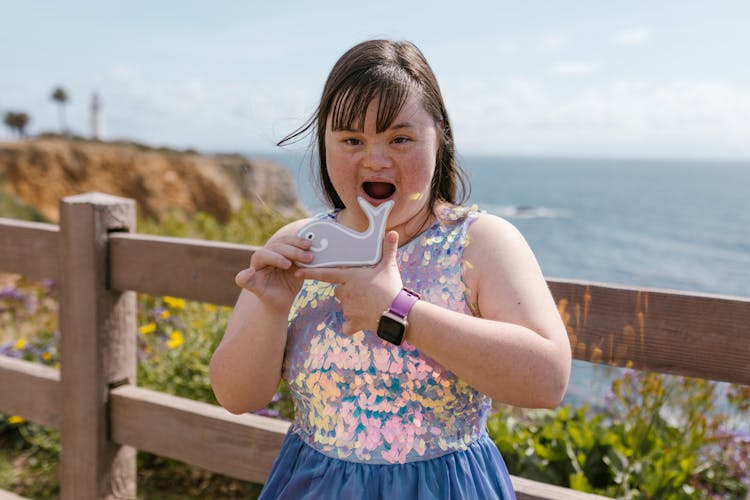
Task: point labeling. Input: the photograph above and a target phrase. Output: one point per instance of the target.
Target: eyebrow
(397, 126)
(402, 125)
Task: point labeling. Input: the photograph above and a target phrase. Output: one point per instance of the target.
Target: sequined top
(362, 399)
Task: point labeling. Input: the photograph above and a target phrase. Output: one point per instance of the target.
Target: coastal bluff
(41, 171)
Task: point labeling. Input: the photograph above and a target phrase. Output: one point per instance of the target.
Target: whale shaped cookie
(334, 244)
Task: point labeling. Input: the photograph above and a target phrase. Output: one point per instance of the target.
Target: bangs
(390, 85)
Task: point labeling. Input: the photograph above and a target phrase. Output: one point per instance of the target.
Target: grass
(13, 208)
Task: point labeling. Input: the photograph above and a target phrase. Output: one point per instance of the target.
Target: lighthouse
(96, 116)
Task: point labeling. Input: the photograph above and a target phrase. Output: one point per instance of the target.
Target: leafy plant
(662, 437)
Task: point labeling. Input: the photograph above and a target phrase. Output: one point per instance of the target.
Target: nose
(376, 157)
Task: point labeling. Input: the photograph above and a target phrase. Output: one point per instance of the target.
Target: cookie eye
(310, 236)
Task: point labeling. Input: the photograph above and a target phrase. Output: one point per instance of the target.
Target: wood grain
(29, 248)
(690, 334)
(191, 269)
(239, 446)
(30, 390)
(97, 342)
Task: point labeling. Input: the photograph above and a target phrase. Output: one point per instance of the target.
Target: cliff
(41, 171)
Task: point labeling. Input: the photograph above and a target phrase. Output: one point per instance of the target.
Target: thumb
(244, 276)
(390, 248)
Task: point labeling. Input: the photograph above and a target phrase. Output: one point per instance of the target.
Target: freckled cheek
(337, 164)
(418, 172)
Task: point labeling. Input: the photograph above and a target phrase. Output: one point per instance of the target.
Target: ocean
(672, 224)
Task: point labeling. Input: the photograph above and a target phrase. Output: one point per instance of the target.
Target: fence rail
(103, 416)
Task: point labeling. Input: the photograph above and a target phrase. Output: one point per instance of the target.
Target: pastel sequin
(362, 399)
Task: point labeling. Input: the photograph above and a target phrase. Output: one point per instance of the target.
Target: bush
(662, 437)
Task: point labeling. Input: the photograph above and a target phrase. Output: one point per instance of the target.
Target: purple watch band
(403, 302)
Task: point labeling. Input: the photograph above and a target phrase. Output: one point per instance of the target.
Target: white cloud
(194, 113)
(553, 42)
(504, 115)
(573, 68)
(622, 118)
(634, 36)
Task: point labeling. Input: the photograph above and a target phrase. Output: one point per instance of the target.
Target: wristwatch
(393, 323)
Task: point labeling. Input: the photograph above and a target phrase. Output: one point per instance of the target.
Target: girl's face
(396, 164)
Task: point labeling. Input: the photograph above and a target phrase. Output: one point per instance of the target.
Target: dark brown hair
(389, 71)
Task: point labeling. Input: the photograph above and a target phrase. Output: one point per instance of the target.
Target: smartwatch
(393, 323)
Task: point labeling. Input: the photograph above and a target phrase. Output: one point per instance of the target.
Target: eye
(309, 236)
(352, 141)
(401, 140)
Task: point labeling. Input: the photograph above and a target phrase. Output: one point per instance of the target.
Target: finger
(346, 328)
(264, 257)
(327, 274)
(390, 248)
(293, 240)
(244, 276)
(291, 251)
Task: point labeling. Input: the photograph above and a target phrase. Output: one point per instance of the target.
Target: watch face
(390, 330)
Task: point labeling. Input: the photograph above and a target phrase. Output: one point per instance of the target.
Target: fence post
(97, 350)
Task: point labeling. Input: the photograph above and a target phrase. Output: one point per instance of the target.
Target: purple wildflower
(8, 349)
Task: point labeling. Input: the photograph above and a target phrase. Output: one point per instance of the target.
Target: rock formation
(42, 171)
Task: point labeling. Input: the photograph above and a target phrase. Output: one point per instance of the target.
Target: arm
(245, 368)
(517, 352)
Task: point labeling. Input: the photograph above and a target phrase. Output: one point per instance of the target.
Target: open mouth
(379, 190)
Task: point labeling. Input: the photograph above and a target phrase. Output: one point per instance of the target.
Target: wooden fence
(103, 416)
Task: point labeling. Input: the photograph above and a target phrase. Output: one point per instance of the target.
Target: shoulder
(498, 262)
(496, 247)
(491, 231)
(480, 231)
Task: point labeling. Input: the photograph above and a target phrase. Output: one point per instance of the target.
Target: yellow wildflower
(164, 314)
(175, 339)
(15, 419)
(147, 328)
(46, 356)
(20, 344)
(174, 302)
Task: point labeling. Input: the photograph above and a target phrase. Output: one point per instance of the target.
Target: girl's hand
(364, 292)
(270, 276)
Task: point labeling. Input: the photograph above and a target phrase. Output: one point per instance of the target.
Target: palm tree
(22, 119)
(61, 98)
(17, 122)
(10, 120)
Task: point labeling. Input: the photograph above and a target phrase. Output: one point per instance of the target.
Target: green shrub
(661, 437)
(13, 208)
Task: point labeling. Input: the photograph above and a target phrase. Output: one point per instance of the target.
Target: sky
(642, 79)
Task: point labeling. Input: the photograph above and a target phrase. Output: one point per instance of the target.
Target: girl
(392, 367)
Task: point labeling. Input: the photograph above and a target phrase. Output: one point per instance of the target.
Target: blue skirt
(301, 472)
